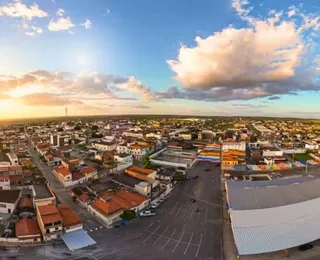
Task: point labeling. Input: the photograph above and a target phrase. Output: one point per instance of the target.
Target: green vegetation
(179, 177)
(128, 215)
(302, 157)
(146, 162)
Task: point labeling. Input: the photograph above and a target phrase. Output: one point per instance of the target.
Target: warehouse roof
(274, 229)
(249, 198)
(274, 182)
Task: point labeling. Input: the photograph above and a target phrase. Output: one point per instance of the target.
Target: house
(50, 221)
(52, 160)
(109, 206)
(12, 170)
(25, 207)
(72, 164)
(9, 200)
(4, 159)
(147, 172)
(123, 160)
(138, 151)
(90, 172)
(42, 195)
(28, 230)
(4, 180)
(70, 220)
(104, 146)
(13, 158)
(63, 175)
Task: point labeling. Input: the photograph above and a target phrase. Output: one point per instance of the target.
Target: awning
(77, 239)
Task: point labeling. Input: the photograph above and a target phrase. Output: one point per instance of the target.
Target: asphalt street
(176, 232)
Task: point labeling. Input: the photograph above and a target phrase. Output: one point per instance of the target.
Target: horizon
(232, 58)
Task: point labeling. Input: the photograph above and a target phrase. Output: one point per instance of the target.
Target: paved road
(176, 232)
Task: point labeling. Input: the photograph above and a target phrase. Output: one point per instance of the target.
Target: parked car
(155, 205)
(162, 199)
(193, 200)
(147, 213)
(196, 177)
(208, 169)
(305, 247)
(188, 177)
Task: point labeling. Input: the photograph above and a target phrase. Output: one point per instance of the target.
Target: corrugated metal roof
(77, 239)
(274, 229)
(274, 182)
(272, 196)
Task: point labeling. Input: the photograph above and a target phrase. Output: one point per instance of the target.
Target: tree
(146, 161)
(179, 176)
(128, 215)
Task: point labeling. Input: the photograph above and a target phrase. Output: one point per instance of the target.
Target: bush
(128, 215)
(179, 176)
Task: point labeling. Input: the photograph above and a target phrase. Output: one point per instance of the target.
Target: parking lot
(176, 232)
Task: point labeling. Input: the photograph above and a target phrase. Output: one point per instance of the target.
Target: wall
(292, 151)
(108, 220)
(267, 153)
(157, 153)
(166, 163)
(145, 191)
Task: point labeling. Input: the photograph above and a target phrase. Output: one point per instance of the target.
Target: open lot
(176, 232)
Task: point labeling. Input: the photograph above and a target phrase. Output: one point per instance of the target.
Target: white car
(162, 199)
(147, 213)
(155, 205)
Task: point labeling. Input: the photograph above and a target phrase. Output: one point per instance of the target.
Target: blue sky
(134, 41)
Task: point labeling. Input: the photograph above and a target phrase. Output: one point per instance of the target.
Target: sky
(195, 57)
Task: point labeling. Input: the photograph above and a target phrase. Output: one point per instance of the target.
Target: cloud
(60, 12)
(46, 99)
(87, 24)
(274, 98)
(61, 24)
(35, 31)
(248, 106)
(135, 86)
(269, 57)
(18, 9)
(138, 106)
(83, 85)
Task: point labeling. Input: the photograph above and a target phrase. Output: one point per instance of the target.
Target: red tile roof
(25, 203)
(27, 227)
(49, 214)
(62, 171)
(69, 217)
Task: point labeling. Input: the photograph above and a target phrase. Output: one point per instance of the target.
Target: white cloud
(62, 24)
(240, 57)
(266, 58)
(291, 13)
(87, 24)
(18, 9)
(60, 12)
(35, 31)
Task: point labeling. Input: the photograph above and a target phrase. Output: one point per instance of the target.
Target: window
(48, 231)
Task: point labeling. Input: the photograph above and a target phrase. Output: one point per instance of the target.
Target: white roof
(273, 229)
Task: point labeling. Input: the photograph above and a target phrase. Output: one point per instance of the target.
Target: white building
(9, 200)
(311, 146)
(13, 158)
(240, 146)
(123, 161)
(104, 146)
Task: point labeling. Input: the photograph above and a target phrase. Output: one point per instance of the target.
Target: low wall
(157, 153)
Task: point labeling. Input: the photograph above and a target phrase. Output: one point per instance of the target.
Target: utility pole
(66, 109)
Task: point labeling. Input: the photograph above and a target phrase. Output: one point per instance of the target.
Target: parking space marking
(137, 236)
(185, 251)
(185, 211)
(199, 246)
(179, 241)
(173, 208)
(152, 233)
(148, 226)
(160, 236)
(92, 256)
(169, 239)
(206, 216)
(192, 211)
(179, 210)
